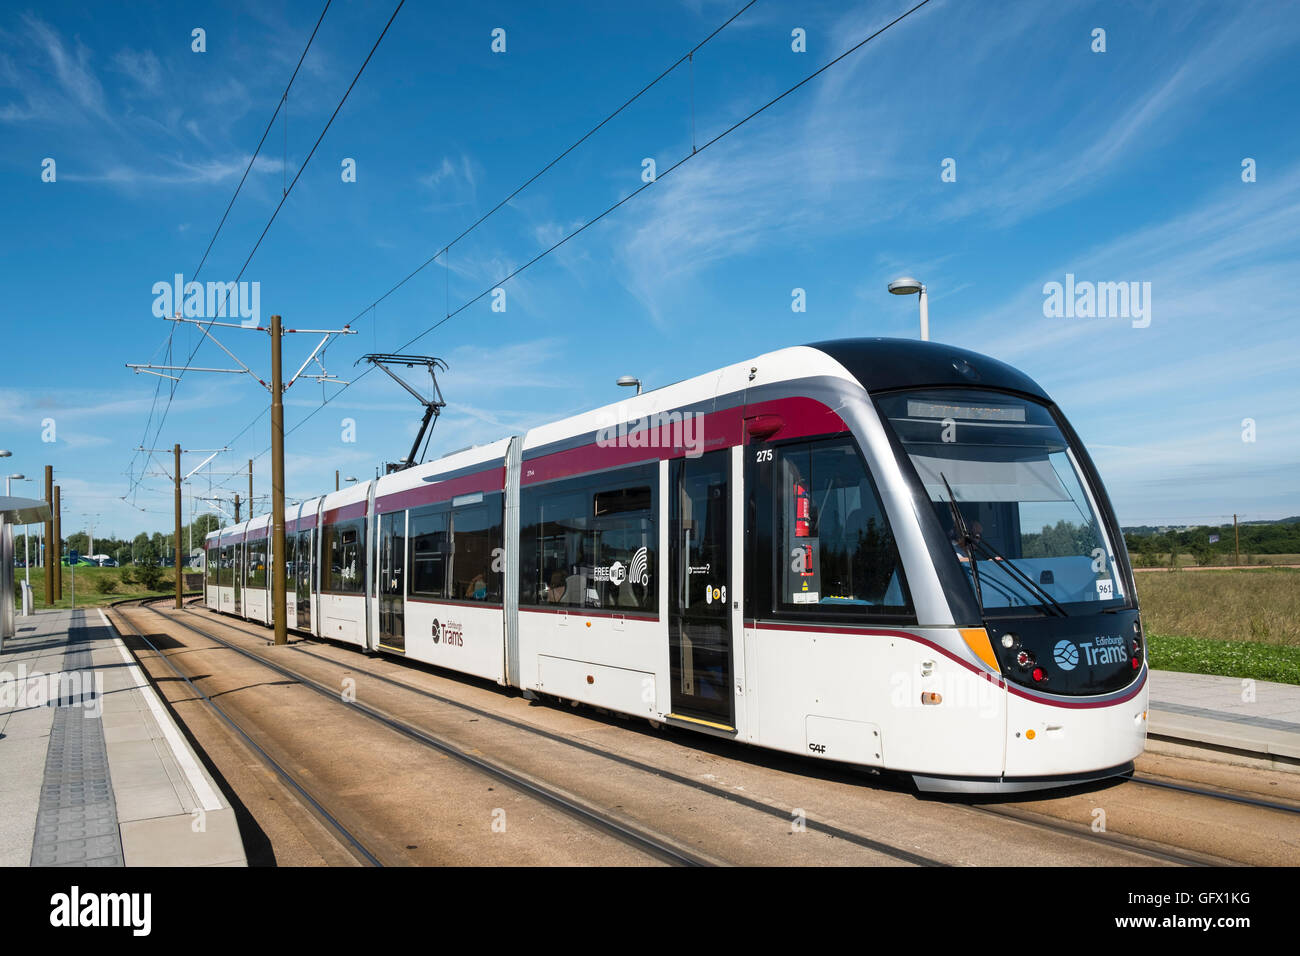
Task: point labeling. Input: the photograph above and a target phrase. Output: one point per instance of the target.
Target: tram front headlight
(1008, 641)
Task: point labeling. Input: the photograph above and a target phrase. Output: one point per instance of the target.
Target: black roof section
(881, 364)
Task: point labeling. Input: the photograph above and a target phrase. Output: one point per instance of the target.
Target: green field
(1232, 623)
(89, 587)
(1161, 560)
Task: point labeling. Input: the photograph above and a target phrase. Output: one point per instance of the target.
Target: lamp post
(627, 381)
(910, 286)
(27, 558)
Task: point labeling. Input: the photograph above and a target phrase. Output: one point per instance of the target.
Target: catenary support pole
(277, 488)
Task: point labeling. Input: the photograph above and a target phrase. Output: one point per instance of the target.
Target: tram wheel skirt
(996, 785)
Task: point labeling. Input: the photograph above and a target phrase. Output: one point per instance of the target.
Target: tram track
(653, 845)
(1144, 849)
(1132, 844)
(345, 837)
(781, 813)
(1147, 849)
(1147, 780)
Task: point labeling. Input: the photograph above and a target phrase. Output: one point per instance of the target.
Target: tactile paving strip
(76, 823)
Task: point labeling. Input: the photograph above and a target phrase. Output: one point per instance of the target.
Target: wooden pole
(1236, 539)
(278, 600)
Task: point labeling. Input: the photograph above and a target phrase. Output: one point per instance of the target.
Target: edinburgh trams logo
(449, 634)
(1066, 655)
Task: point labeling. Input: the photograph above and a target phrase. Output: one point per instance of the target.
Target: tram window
(430, 552)
(621, 500)
(344, 570)
(255, 563)
(475, 535)
(838, 552)
(591, 542)
(290, 555)
(302, 562)
(212, 566)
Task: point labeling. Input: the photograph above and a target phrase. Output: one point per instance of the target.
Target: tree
(143, 551)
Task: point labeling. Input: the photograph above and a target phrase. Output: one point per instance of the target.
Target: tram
(887, 553)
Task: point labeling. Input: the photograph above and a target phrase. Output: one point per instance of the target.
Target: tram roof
(881, 364)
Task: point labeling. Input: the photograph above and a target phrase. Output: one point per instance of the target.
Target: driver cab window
(837, 550)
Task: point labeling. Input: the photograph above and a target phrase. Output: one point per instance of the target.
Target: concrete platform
(1250, 723)
(93, 771)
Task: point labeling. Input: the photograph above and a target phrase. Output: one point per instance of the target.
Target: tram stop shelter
(13, 511)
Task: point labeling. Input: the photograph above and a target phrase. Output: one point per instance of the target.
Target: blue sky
(1115, 166)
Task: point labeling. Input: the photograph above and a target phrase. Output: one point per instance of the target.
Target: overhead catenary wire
(230, 205)
(591, 222)
(284, 198)
(446, 249)
(611, 208)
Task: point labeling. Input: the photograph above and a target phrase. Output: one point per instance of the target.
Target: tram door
(392, 581)
(302, 580)
(699, 567)
(237, 560)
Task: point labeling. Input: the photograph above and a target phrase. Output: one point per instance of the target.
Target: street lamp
(27, 559)
(350, 478)
(628, 381)
(910, 286)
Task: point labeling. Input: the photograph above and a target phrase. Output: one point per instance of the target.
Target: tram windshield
(1007, 488)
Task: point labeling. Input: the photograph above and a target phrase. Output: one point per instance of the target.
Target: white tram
(887, 553)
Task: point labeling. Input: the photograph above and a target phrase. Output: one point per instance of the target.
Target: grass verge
(1198, 655)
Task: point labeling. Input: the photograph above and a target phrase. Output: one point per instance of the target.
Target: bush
(150, 575)
(106, 584)
(128, 574)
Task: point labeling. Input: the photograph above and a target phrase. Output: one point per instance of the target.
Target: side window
(344, 568)
(255, 575)
(430, 552)
(475, 534)
(836, 551)
(591, 542)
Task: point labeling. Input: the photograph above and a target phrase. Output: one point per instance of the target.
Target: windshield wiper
(1019, 575)
(959, 525)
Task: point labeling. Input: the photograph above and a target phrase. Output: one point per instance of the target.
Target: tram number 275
(764, 454)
